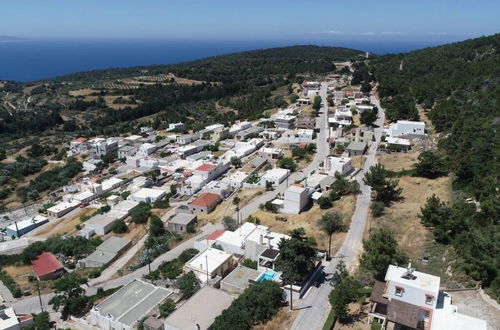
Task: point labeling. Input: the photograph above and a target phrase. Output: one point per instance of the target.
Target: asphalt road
(315, 306)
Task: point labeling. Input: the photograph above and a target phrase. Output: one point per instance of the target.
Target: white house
(101, 147)
(295, 199)
(271, 153)
(186, 138)
(275, 176)
(233, 130)
(404, 144)
(175, 126)
(146, 149)
(301, 135)
(412, 299)
(341, 165)
(147, 195)
(342, 117)
(405, 127)
(210, 263)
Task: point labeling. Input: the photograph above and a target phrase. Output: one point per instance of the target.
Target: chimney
(261, 239)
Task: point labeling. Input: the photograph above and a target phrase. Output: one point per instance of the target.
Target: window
(399, 291)
(429, 299)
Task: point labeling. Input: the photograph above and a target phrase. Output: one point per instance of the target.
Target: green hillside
(247, 83)
(460, 84)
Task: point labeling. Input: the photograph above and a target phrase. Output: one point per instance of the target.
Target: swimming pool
(268, 275)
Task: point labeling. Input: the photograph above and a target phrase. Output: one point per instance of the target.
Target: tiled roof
(205, 167)
(206, 199)
(46, 263)
(213, 236)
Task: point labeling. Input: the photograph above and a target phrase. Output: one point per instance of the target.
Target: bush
(249, 263)
(377, 209)
(324, 203)
(269, 206)
(167, 307)
(96, 272)
(119, 227)
(230, 223)
(191, 229)
(257, 303)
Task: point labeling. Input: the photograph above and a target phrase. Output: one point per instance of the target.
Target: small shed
(181, 221)
(47, 267)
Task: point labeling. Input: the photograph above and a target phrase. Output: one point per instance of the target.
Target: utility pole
(17, 229)
(149, 258)
(39, 296)
(206, 264)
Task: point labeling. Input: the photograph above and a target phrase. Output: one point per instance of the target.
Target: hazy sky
(315, 20)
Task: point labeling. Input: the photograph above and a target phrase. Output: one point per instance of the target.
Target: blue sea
(28, 60)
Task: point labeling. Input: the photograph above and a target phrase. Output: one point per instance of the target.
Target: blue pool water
(269, 275)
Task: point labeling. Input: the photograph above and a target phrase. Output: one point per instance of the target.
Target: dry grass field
(397, 161)
(309, 220)
(226, 208)
(402, 217)
(63, 226)
(283, 320)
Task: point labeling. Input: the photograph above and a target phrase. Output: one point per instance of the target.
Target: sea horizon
(26, 60)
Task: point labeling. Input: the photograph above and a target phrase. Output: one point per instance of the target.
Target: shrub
(119, 227)
(377, 209)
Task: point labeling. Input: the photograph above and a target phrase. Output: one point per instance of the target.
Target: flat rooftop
(419, 279)
(201, 309)
(132, 301)
(182, 218)
(114, 244)
(241, 276)
(211, 257)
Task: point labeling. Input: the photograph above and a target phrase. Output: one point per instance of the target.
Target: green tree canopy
(381, 250)
(430, 165)
(296, 259)
(387, 190)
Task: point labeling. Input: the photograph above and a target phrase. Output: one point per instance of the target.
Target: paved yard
(470, 303)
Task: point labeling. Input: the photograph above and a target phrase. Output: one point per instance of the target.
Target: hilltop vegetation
(242, 84)
(459, 85)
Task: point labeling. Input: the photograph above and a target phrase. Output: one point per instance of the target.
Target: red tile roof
(205, 167)
(80, 139)
(213, 236)
(206, 199)
(46, 263)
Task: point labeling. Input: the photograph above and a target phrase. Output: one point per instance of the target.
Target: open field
(397, 161)
(226, 208)
(309, 221)
(21, 274)
(402, 217)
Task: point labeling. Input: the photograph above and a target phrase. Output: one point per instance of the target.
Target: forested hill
(460, 84)
(216, 89)
(255, 63)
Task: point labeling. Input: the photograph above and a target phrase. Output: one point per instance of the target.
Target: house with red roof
(207, 171)
(47, 267)
(205, 203)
